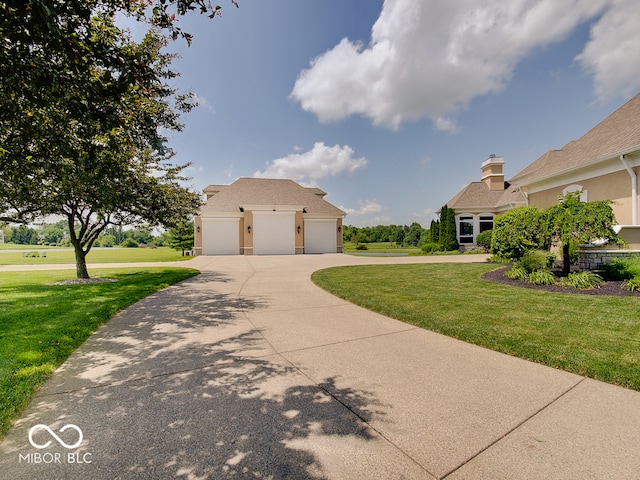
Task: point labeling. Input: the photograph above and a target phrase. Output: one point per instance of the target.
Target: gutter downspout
(634, 190)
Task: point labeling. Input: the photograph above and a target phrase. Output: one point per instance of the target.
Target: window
(465, 229)
(486, 223)
(576, 188)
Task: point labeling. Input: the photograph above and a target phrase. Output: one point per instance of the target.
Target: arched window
(576, 188)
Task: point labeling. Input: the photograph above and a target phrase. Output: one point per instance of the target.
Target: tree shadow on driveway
(180, 385)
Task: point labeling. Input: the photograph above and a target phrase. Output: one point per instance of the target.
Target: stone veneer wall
(596, 258)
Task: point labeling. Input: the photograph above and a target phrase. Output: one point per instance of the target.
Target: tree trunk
(566, 260)
(81, 262)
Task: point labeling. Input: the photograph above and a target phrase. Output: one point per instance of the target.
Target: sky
(392, 106)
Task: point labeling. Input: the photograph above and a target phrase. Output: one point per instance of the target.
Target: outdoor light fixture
(339, 228)
(249, 229)
(299, 228)
(198, 229)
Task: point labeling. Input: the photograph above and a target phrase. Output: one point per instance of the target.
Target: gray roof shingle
(617, 134)
(268, 192)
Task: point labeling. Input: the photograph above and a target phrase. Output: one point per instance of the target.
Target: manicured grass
(379, 247)
(42, 323)
(101, 255)
(594, 336)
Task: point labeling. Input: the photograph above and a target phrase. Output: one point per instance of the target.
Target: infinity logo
(70, 425)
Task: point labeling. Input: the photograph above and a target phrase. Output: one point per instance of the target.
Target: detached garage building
(258, 216)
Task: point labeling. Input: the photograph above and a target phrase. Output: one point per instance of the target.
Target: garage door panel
(220, 236)
(320, 236)
(274, 233)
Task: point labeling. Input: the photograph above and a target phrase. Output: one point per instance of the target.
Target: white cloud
(366, 207)
(612, 54)
(203, 102)
(429, 58)
(427, 212)
(319, 162)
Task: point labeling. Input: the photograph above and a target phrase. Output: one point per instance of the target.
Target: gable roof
(266, 192)
(616, 135)
(478, 196)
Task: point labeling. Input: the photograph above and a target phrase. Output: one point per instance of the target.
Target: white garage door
(220, 236)
(274, 233)
(320, 236)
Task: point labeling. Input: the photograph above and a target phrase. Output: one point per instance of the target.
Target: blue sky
(391, 106)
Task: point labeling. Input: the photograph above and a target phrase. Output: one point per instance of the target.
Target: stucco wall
(614, 186)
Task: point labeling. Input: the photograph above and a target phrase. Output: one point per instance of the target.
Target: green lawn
(379, 247)
(42, 323)
(102, 255)
(594, 336)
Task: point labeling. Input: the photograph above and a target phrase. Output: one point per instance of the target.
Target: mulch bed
(610, 288)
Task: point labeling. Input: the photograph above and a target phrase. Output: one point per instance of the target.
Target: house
(258, 216)
(479, 203)
(603, 164)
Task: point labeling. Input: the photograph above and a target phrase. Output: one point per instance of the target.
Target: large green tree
(181, 237)
(447, 233)
(81, 111)
(573, 221)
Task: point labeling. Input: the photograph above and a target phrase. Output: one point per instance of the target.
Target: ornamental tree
(579, 222)
(81, 123)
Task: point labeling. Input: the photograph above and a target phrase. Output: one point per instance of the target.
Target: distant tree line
(441, 235)
(57, 234)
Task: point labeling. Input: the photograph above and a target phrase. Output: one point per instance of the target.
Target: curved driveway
(251, 371)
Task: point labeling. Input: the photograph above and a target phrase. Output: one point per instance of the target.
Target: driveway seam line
(321, 388)
(516, 427)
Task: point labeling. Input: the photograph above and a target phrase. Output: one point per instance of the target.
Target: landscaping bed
(608, 288)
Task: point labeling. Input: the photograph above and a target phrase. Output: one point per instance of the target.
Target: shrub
(582, 280)
(517, 272)
(623, 268)
(483, 239)
(517, 231)
(129, 243)
(431, 247)
(542, 277)
(632, 284)
(107, 240)
(362, 246)
(31, 254)
(537, 260)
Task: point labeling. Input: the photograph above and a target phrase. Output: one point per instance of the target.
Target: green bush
(483, 239)
(517, 272)
(623, 268)
(129, 243)
(431, 247)
(542, 277)
(517, 231)
(582, 280)
(632, 284)
(537, 260)
(107, 240)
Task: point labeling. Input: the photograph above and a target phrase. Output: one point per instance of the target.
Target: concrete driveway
(251, 371)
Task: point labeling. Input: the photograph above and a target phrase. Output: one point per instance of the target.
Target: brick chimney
(492, 173)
